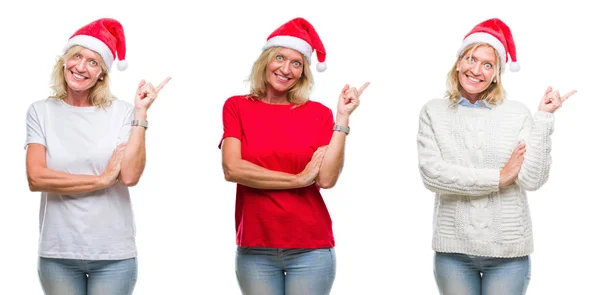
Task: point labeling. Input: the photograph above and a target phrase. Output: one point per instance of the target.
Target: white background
(382, 214)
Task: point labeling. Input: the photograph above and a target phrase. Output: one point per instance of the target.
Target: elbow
(229, 173)
(531, 186)
(130, 175)
(325, 182)
(33, 183)
(326, 185)
(129, 181)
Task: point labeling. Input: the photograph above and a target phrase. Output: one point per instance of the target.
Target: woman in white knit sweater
(479, 153)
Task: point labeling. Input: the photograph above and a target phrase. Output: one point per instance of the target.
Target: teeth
(473, 79)
(78, 76)
(282, 78)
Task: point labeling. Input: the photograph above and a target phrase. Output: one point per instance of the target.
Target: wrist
(140, 114)
(101, 181)
(342, 120)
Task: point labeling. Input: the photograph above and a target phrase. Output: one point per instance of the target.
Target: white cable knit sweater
(461, 153)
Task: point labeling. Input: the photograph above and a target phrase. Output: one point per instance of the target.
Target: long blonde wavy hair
(298, 94)
(99, 94)
(494, 94)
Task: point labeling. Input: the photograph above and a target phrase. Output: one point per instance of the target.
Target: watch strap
(142, 123)
(341, 128)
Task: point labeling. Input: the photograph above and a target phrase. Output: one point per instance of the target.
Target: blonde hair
(99, 94)
(494, 94)
(297, 95)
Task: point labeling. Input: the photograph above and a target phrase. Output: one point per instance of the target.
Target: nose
(476, 69)
(286, 67)
(80, 65)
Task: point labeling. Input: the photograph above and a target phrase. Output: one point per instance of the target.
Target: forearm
(254, 176)
(333, 161)
(445, 177)
(536, 165)
(134, 156)
(52, 181)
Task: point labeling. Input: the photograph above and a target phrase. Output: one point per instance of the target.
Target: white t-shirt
(80, 140)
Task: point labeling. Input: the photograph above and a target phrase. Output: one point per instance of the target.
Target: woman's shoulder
(39, 106)
(436, 103)
(514, 106)
(237, 99)
(119, 103)
(316, 105)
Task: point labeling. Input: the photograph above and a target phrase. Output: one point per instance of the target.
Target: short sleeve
(232, 125)
(326, 131)
(125, 130)
(35, 132)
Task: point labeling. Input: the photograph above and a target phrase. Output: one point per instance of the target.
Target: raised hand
(552, 101)
(147, 93)
(349, 99)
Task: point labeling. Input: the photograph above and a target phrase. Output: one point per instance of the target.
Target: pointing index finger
(360, 91)
(564, 97)
(160, 87)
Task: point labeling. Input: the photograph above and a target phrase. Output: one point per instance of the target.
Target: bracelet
(142, 123)
(341, 128)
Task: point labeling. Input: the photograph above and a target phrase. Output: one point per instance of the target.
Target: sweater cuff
(490, 179)
(543, 116)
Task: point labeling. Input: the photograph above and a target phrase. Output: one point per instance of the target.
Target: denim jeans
(268, 271)
(87, 277)
(461, 274)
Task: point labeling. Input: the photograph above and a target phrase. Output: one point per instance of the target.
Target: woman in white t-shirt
(82, 154)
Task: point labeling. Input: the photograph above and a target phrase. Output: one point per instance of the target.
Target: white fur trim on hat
(290, 42)
(94, 44)
(485, 38)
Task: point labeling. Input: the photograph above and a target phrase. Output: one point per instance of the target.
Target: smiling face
(284, 71)
(82, 70)
(477, 70)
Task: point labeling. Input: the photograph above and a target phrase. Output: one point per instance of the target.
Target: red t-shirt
(279, 138)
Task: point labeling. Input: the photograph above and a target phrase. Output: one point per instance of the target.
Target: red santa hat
(497, 34)
(300, 35)
(104, 36)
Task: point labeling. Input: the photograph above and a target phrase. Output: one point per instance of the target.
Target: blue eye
(93, 63)
(297, 64)
(488, 66)
(279, 58)
(470, 59)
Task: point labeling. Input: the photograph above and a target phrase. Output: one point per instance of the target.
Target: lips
(472, 79)
(78, 76)
(281, 78)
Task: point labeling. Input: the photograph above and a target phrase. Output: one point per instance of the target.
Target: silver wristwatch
(341, 128)
(142, 123)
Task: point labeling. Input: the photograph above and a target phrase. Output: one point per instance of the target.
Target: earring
(458, 69)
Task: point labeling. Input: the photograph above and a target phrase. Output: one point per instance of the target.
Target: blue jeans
(91, 277)
(461, 274)
(268, 271)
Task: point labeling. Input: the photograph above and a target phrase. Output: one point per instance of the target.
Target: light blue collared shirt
(464, 102)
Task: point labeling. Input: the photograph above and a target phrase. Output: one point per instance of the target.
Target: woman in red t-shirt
(280, 148)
